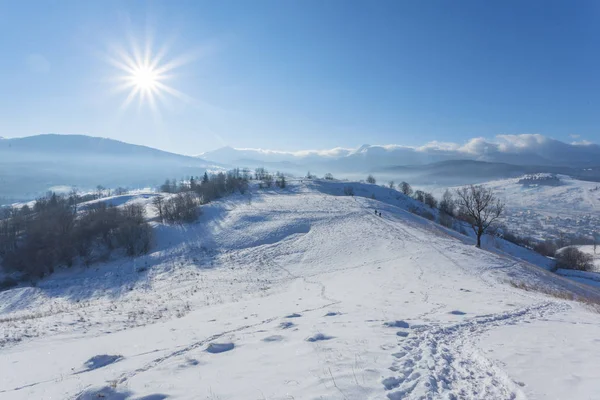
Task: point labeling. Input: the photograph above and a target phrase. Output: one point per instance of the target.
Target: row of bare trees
(475, 204)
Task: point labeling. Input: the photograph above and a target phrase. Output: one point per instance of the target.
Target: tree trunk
(478, 239)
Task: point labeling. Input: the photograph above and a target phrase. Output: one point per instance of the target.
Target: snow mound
(216, 348)
(397, 324)
(317, 337)
(100, 361)
(273, 338)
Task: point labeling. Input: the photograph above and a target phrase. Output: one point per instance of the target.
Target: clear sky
(303, 74)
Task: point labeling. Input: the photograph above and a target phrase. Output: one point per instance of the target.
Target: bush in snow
(447, 203)
(182, 207)
(420, 196)
(328, 177)
(280, 181)
(406, 189)
(430, 200)
(573, 258)
(546, 248)
(446, 220)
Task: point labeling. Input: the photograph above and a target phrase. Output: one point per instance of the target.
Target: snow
(303, 293)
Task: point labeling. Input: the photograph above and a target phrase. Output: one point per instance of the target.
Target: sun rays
(144, 74)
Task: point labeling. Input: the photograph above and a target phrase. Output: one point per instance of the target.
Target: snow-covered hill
(549, 211)
(302, 293)
(32, 165)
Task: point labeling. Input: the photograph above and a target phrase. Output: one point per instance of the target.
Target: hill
(302, 293)
(567, 207)
(457, 172)
(32, 165)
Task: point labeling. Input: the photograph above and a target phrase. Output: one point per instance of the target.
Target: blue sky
(306, 74)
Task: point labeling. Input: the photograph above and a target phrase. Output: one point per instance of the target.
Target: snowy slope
(300, 294)
(573, 207)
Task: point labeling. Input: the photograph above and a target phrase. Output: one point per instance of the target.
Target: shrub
(182, 207)
(423, 213)
(420, 196)
(427, 214)
(516, 239)
(573, 258)
(406, 189)
(546, 248)
(447, 203)
(328, 176)
(446, 220)
(280, 181)
(430, 200)
(134, 237)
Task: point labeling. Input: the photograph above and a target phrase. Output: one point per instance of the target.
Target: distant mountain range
(534, 150)
(31, 165)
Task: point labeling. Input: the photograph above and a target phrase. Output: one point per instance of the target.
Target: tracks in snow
(440, 362)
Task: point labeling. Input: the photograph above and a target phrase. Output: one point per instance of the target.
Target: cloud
(582, 143)
(335, 152)
(520, 149)
(574, 136)
(37, 63)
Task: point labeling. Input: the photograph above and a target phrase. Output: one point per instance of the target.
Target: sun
(144, 74)
(144, 78)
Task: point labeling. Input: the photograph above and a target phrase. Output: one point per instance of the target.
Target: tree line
(35, 240)
(55, 231)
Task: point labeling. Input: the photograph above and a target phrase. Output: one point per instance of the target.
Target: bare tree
(481, 208)
(392, 185)
(158, 203)
(406, 189)
(371, 179)
(447, 203)
(100, 191)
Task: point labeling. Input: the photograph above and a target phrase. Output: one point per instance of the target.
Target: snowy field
(303, 293)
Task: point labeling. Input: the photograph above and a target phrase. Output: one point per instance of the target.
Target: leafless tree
(447, 203)
(100, 191)
(481, 208)
(371, 179)
(392, 185)
(406, 188)
(158, 203)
